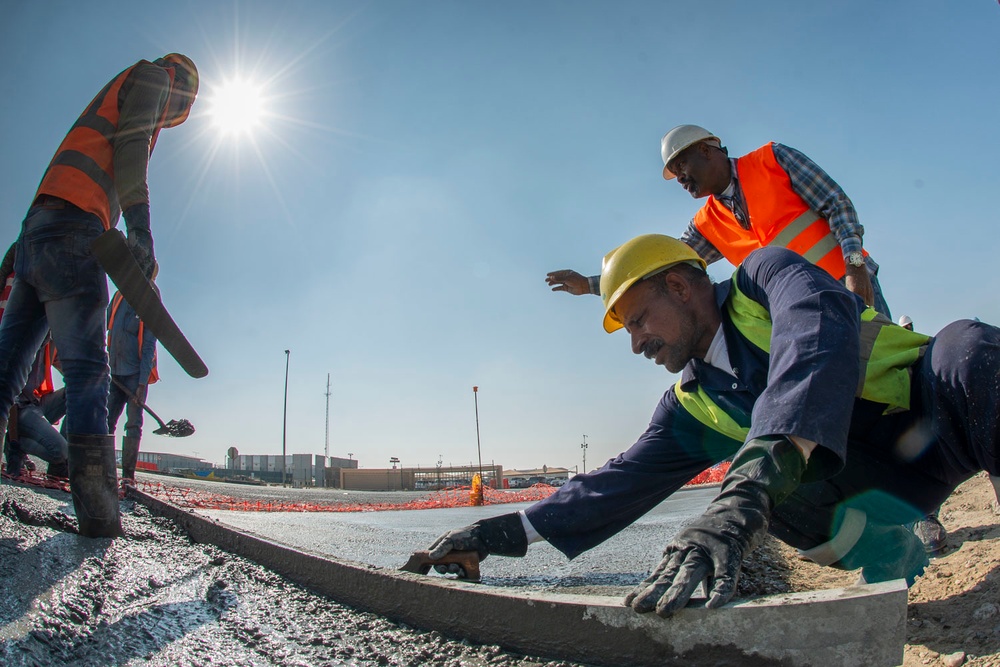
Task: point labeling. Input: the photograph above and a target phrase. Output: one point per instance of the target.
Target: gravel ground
(158, 599)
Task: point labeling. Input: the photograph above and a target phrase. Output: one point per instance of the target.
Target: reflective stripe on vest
(778, 217)
(887, 353)
(82, 170)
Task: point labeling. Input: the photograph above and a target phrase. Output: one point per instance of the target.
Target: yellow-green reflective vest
(887, 353)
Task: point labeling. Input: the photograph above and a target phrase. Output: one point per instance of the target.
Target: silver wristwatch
(856, 258)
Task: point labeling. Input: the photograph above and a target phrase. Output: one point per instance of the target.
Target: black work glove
(763, 473)
(140, 239)
(501, 535)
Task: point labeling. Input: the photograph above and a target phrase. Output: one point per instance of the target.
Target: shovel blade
(176, 428)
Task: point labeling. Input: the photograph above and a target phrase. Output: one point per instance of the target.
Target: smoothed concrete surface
(387, 538)
(862, 625)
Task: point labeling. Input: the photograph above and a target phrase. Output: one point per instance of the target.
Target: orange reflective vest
(115, 302)
(82, 171)
(778, 216)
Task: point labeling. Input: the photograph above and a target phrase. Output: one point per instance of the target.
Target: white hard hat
(905, 320)
(679, 138)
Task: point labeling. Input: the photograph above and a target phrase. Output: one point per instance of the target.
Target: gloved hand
(763, 473)
(140, 239)
(501, 535)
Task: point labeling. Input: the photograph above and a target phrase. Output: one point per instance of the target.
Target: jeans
(35, 433)
(59, 285)
(118, 399)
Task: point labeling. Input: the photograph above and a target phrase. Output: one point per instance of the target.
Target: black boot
(93, 483)
(15, 457)
(130, 456)
(57, 469)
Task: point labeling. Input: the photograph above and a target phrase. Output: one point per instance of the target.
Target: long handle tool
(175, 428)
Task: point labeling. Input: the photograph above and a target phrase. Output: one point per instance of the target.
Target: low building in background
(522, 479)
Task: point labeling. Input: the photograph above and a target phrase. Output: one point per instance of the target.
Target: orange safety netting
(35, 478)
(458, 496)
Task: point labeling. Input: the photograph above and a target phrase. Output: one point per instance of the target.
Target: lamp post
(584, 448)
(284, 424)
(479, 449)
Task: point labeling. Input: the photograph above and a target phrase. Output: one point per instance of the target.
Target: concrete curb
(860, 625)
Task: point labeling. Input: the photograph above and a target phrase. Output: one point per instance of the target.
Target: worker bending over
(97, 175)
(840, 424)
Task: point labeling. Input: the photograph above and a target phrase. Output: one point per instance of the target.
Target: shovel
(175, 428)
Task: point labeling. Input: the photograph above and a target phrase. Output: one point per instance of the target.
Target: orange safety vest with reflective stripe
(115, 302)
(82, 171)
(778, 216)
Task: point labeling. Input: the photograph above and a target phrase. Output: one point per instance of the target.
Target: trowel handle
(421, 563)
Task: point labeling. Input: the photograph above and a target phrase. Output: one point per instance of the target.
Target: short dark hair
(692, 273)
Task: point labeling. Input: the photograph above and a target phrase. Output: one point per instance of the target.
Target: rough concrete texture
(157, 599)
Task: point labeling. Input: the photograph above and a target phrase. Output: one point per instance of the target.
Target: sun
(237, 107)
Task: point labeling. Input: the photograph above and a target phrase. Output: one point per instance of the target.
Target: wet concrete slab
(863, 625)
(387, 538)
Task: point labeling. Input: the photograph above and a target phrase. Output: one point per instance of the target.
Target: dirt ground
(156, 599)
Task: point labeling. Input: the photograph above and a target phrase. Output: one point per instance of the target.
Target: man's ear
(677, 285)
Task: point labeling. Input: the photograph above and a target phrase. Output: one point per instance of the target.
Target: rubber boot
(130, 456)
(93, 484)
(16, 459)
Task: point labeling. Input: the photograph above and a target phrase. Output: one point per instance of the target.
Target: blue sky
(420, 166)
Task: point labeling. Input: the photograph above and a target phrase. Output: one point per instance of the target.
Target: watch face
(856, 259)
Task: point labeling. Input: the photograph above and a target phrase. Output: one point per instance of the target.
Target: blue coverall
(894, 467)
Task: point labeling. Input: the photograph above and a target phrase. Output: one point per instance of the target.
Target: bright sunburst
(237, 107)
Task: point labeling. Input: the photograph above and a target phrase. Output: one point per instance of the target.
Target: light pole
(584, 448)
(284, 423)
(479, 449)
(327, 418)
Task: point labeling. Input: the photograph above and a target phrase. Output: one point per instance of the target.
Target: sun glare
(237, 107)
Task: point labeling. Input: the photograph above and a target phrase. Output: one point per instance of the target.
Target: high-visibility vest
(886, 355)
(115, 302)
(778, 216)
(82, 171)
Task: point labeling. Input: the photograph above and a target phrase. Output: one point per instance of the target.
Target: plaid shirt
(810, 182)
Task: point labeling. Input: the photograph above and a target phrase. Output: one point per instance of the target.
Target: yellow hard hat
(634, 260)
(679, 138)
(186, 81)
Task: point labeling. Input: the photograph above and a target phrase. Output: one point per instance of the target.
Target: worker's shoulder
(149, 75)
(771, 256)
(764, 264)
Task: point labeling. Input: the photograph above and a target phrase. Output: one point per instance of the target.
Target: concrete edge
(848, 626)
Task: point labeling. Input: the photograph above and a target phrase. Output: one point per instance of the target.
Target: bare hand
(859, 281)
(568, 280)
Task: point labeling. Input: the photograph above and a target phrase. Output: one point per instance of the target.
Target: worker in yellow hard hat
(841, 426)
(774, 195)
(98, 174)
